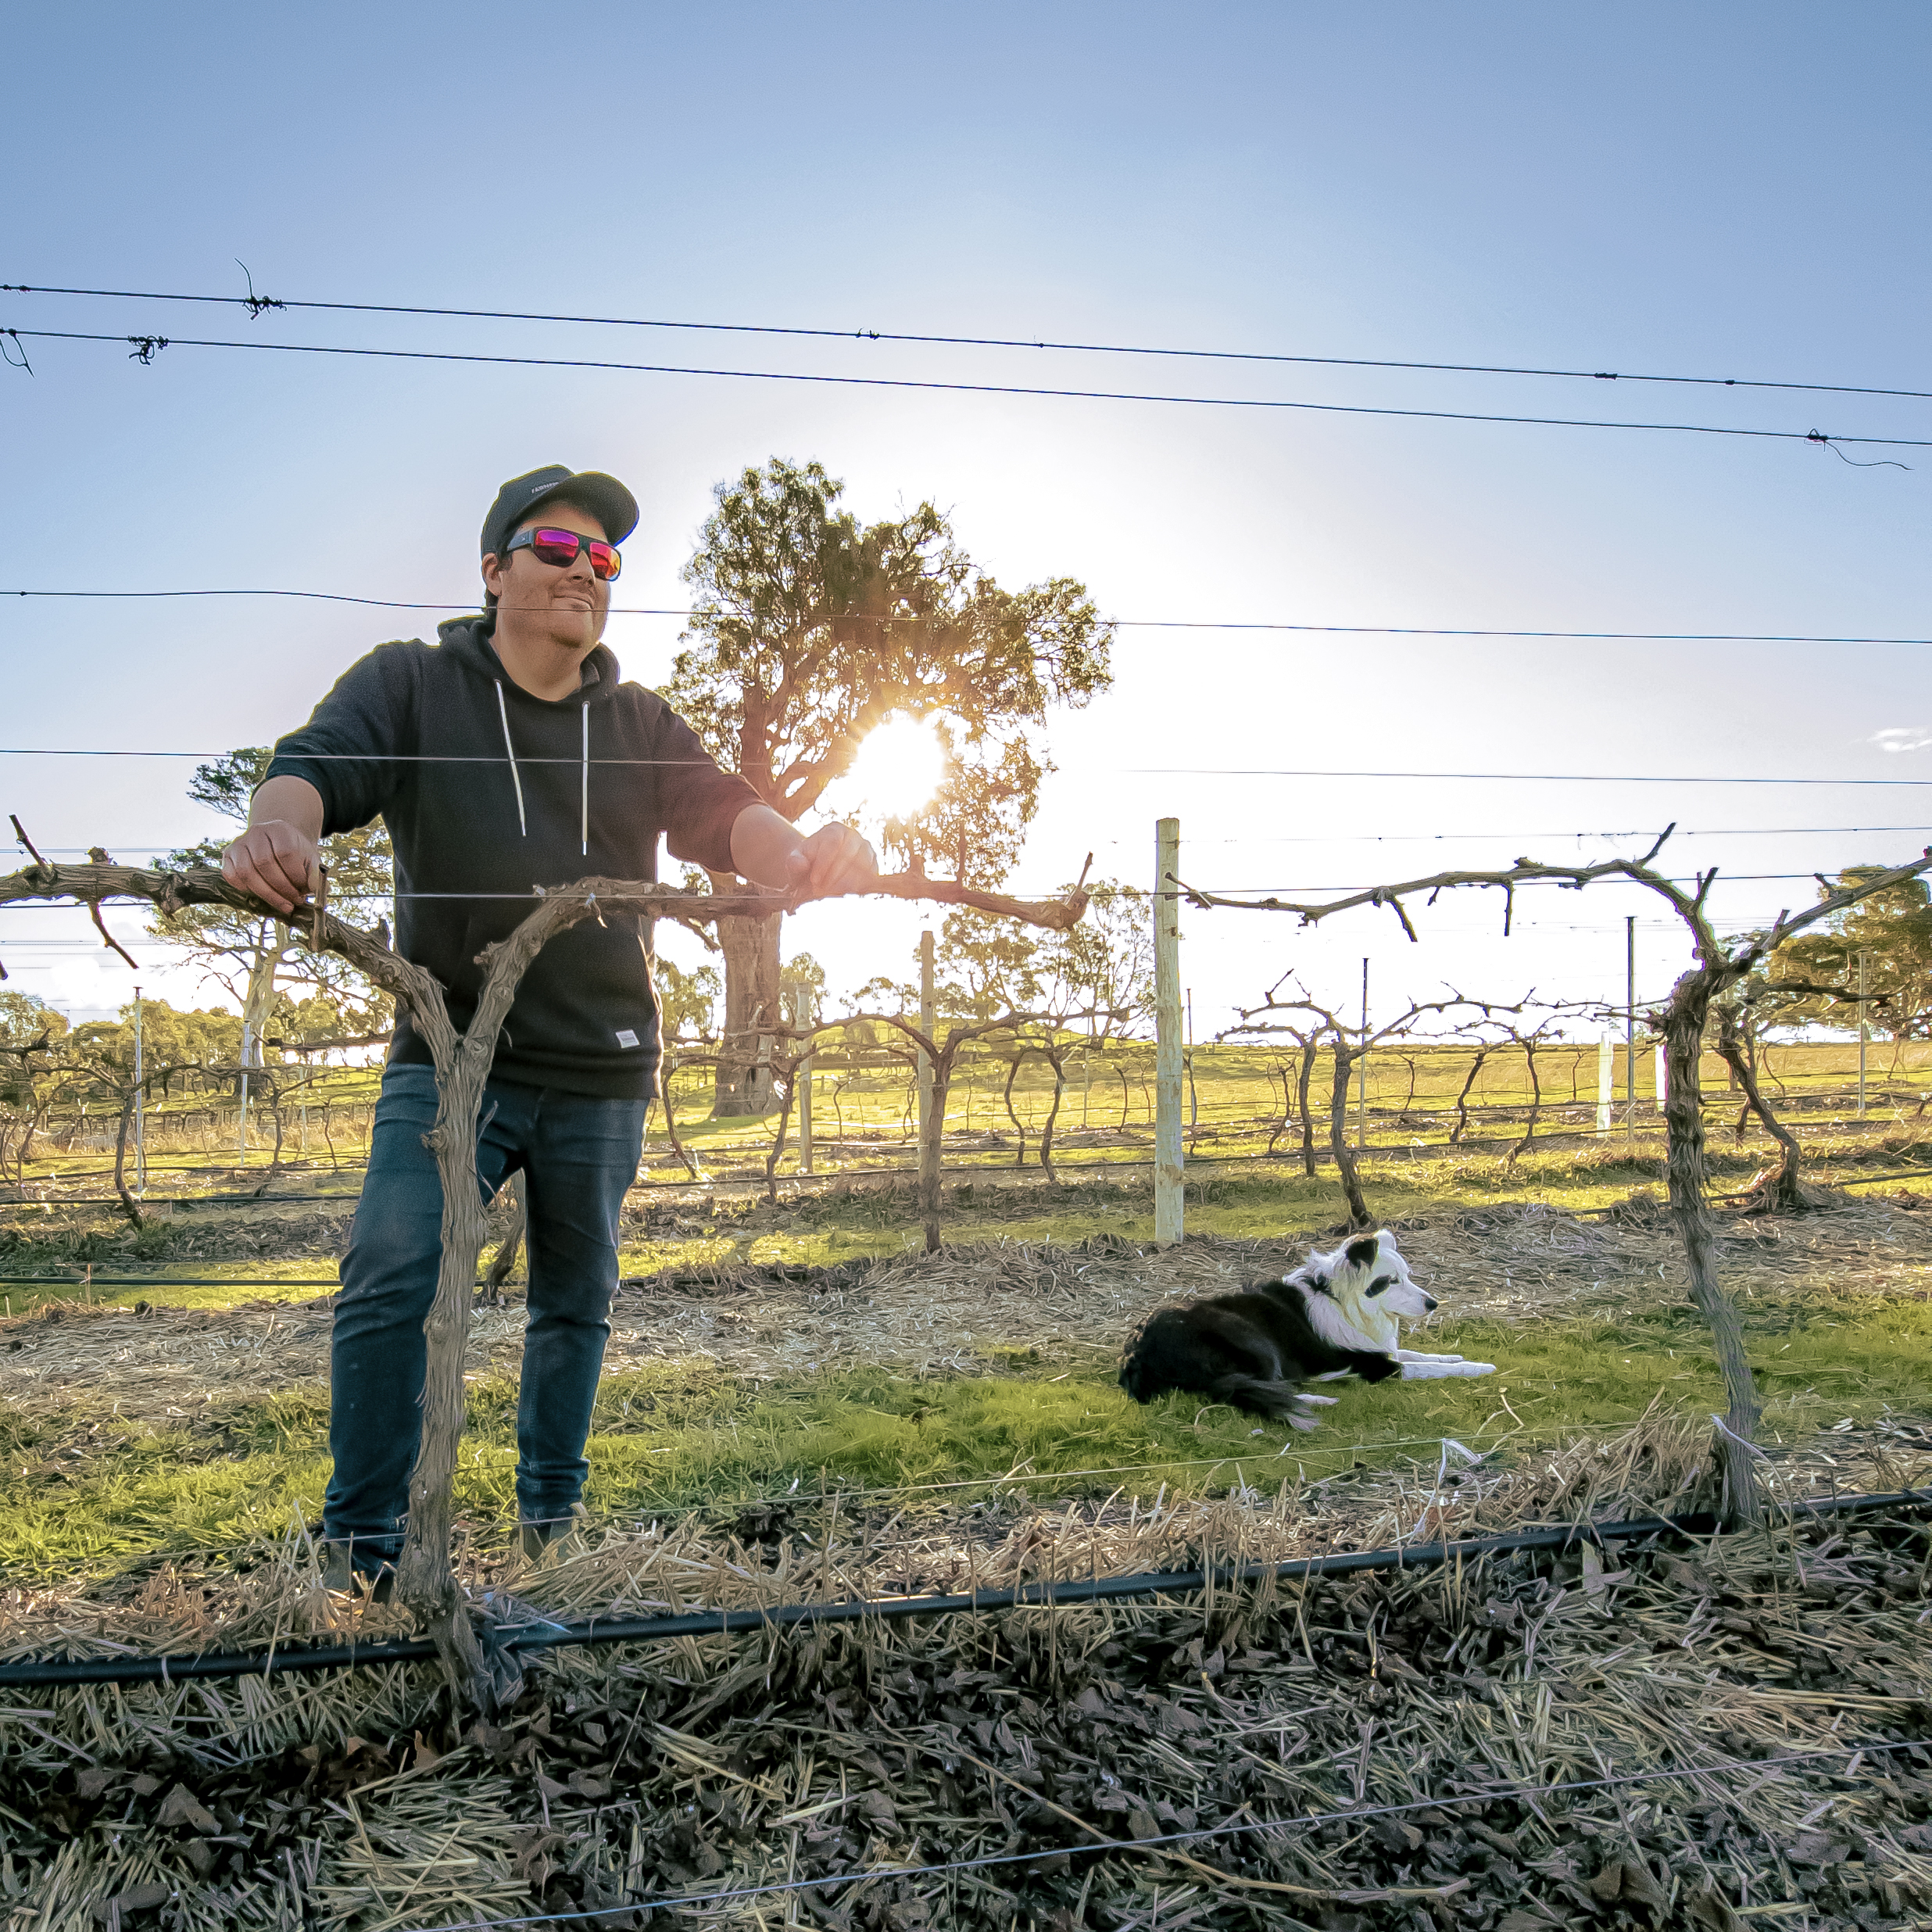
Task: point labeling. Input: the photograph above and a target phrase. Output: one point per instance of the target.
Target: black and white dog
(1337, 1314)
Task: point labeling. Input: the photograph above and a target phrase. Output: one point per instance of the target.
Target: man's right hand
(277, 862)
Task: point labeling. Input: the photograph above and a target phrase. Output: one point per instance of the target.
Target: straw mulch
(363, 1801)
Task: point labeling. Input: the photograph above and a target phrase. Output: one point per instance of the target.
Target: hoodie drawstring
(502, 711)
(584, 818)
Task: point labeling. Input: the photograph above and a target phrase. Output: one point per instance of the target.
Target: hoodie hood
(472, 642)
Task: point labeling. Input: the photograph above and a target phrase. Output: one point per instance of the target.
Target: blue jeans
(578, 1156)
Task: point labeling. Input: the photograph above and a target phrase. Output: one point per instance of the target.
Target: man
(505, 757)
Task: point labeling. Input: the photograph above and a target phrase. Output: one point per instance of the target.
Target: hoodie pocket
(586, 997)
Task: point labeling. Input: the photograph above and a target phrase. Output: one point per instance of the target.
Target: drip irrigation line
(148, 346)
(596, 1632)
(1121, 623)
(258, 305)
(1096, 1848)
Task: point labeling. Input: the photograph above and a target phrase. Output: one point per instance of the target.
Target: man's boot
(343, 1576)
(549, 1540)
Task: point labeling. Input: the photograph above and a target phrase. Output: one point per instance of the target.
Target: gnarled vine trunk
(1345, 1164)
(1683, 1020)
(1780, 1191)
(1308, 1053)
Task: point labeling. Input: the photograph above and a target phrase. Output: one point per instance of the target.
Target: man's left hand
(834, 860)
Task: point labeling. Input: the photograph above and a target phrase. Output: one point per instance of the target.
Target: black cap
(604, 496)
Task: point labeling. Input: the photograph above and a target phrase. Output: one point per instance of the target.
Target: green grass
(90, 1494)
(95, 1493)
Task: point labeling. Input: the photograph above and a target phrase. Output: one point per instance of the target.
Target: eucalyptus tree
(809, 629)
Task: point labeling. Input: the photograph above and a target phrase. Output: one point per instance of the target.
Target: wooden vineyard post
(1169, 1185)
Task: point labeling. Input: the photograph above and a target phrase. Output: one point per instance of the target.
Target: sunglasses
(560, 548)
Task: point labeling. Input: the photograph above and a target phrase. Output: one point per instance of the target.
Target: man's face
(565, 604)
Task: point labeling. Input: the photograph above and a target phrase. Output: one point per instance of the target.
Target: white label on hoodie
(627, 1038)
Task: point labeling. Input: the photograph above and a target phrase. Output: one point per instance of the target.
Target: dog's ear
(1317, 1284)
(1362, 1253)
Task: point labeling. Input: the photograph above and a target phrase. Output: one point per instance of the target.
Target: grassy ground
(87, 1492)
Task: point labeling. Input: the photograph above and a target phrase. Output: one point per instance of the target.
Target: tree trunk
(750, 947)
(1780, 1192)
(1683, 1117)
(1338, 1138)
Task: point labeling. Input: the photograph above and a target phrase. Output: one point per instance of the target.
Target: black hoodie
(487, 792)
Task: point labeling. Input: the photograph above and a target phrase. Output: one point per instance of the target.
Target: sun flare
(900, 764)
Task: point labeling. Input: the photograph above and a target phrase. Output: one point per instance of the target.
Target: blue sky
(1726, 190)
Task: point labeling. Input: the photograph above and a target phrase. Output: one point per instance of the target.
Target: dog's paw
(1327, 1401)
(1302, 1422)
(1461, 1368)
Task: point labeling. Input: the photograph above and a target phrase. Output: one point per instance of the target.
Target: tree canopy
(686, 1001)
(1893, 930)
(808, 629)
(249, 955)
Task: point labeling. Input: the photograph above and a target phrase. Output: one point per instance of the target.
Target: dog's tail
(1282, 1402)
